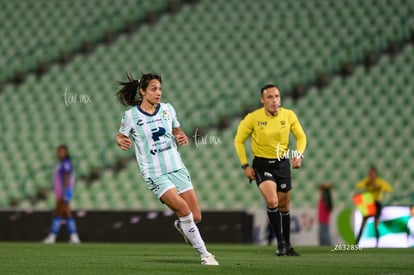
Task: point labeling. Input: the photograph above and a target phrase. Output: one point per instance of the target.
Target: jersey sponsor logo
(139, 122)
(261, 123)
(157, 133)
(155, 151)
(154, 120)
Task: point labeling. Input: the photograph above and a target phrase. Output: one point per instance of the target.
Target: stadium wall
(126, 226)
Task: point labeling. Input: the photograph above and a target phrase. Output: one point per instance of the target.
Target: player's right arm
(123, 141)
(244, 130)
(122, 138)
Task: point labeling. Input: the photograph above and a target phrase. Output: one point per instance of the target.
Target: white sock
(190, 230)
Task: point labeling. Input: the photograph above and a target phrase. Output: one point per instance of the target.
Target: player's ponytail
(129, 93)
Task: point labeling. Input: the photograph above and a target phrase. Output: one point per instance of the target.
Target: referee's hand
(249, 173)
(297, 163)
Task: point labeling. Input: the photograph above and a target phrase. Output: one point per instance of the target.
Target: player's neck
(148, 107)
(269, 113)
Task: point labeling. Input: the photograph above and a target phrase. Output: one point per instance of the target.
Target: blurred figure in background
(325, 206)
(63, 185)
(376, 186)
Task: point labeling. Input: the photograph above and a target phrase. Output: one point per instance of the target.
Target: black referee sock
(276, 222)
(286, 226)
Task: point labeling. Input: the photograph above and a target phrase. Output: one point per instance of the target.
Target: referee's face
(271, 100)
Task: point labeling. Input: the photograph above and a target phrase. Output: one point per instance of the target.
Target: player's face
(372, 174)
(61, 153)
(152, 94)
(271, 100)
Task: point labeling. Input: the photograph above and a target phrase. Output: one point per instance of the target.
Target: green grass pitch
(116, 258)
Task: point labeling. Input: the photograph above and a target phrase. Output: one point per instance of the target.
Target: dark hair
(65, 147)
(373, 168)
(267, 86)
(129, 93)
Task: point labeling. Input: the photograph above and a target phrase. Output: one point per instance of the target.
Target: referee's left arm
(299, 134)
(300, 137)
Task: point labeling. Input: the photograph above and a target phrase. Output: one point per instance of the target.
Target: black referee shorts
(275, 170)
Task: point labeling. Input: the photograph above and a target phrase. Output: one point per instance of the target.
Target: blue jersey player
(63, 183)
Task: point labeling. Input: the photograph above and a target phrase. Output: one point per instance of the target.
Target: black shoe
(292, 252)
(281, 249)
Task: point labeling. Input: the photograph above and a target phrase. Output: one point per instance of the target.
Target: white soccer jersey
(155, 146)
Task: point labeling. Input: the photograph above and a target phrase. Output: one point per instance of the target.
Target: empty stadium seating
(214, 58)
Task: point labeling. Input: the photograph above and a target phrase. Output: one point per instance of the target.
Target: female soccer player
(269, 128)
(155, 131)
(63, 185)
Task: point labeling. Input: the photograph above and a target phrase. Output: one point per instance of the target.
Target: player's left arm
(300, 137)
(180, 136)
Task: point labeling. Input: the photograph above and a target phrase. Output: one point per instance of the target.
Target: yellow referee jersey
(270, 135)
(377, 188)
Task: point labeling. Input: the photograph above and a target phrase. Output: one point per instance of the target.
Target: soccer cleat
(178, 227)
(292, 252)
(281, 249)
(209, 259)
(74, 239)
(50, 239)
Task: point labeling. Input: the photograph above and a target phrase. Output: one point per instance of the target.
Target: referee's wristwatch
(244, 166)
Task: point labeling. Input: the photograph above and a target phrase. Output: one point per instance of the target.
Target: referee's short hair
(267, 86)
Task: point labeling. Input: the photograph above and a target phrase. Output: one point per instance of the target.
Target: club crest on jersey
(166, 115)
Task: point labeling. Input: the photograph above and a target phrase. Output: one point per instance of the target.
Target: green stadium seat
(210, 56)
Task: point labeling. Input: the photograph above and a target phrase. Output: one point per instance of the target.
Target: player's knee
(272, 203)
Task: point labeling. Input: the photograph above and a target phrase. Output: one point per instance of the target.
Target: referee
(269, 128)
